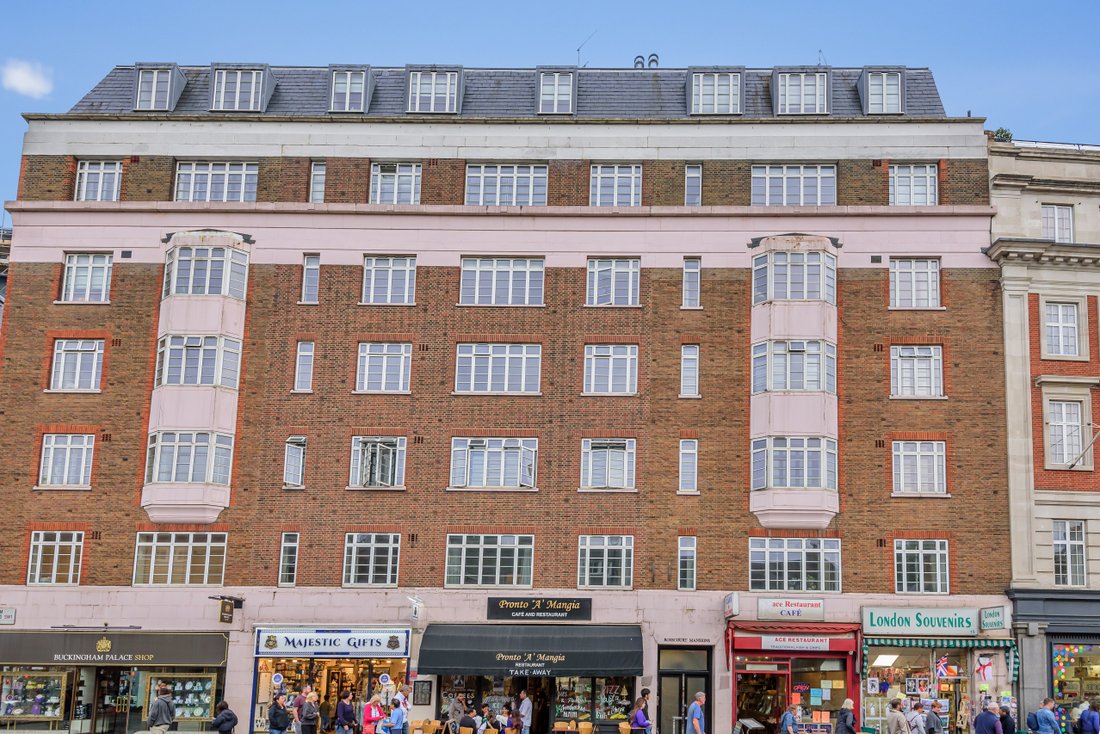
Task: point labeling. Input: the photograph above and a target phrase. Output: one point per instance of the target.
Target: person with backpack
(846, 718)
(225, 719)
(916, 719)
(1090, 719)
(1044, 719)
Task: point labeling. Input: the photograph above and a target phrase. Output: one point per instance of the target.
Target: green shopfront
(961, 657)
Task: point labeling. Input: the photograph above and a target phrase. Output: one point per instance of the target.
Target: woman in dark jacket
(310, 714)
(224, 719)
(845, 718)
(1008, 724)
(345, 714)
(278, 718)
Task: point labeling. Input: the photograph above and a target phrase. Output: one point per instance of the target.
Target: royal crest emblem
(271, 642)
(394, 642)
(103, 645)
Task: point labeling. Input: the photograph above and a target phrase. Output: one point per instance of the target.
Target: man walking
(525, 707)
(162, 712)
(296, 707)
(989, 721)
(697, 723)
(895, 719)
(788, 722)
(1048, 723)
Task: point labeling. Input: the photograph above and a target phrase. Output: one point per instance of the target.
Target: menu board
(614, 698)
(192, 694)
(574, 699)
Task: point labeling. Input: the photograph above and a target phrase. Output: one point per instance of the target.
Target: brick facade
(860, 182)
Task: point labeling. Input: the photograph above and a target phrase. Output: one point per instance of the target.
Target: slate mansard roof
(513, 93)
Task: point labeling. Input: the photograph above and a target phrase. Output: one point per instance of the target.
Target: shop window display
(1076, 676)
(572, 698)
(766, 685)
(917, 675)
(32, 695)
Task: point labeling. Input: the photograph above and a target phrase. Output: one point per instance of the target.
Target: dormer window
(802, 93)
(433, 91)
(715, 93)
(884, 92)
(349, 90)
(153, 88)
(556, 92)
(238, 89)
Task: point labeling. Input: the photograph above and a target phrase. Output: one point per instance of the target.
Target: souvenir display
(188, 693)
(32, 695)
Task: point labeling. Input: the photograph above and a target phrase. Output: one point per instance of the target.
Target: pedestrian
(372, 714)
(895, 719)
(224, 719)
(1008, 724)
(695, 716)
(788, 723)
(846, 718)
(645, 695)
(162, 712)
(325, 710)
(637, 718)
(916, 720)
(1048, 724)
(296, 706)
(278, 718)
(525, 711)
(989, 721)
(310, 714)
(402, 695)
(455, 710)
(397, 720)
(345, 714)
(934, 724)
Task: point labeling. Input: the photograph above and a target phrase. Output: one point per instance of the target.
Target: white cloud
(27, 77)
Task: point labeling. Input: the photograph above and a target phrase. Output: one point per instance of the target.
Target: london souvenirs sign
(920, 621)
(304, 642)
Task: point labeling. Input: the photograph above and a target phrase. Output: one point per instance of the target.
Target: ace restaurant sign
(540, 608)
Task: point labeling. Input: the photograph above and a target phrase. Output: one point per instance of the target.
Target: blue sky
(1031, 67)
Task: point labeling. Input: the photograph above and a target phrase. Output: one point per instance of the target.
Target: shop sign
(225, 611)
(731, 605)
(788, 642)
(273, 642)
(993, 618)
(540, 607)
(920, 621)
(7, 615)
(114, 648)
(803, 610)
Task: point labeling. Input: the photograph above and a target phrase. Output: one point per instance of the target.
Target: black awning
(522, 650)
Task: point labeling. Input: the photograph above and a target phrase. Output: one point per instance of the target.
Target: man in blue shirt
(788, 723)
(1048, 722)
(697, 720)
(396, 718)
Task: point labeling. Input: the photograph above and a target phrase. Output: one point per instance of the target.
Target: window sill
(916, 593)
(307, 303)
(395, 488)
(492, 490)
(686, 493)
(61, 488)
(691, 308)
(605, 587)
(916, 308)
(1062, 467)
(499, 306)
(381, 392)
(488, 586)
(364, 303)
(610, 394)
(918, 397)
(294, 487)
(690, 397)
(82, 303)
(922, 495)
(368, 586)
(613, 305)
(301, 392)
(471, 393)
(1063, 357)
(72, 392)
(607, 490)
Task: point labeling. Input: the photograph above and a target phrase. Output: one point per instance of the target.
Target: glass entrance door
(113, 699)
(682, 672)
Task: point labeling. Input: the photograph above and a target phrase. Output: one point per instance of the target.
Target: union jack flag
(941, 666)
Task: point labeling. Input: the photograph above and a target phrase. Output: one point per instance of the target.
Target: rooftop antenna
(585, 41)
(821, 60)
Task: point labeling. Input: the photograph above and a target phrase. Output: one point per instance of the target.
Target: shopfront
(103, 682)
(927, 654)
(777, 664)
(366, 661)
(570, 672)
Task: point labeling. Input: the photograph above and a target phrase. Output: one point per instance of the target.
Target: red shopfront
(776, 664)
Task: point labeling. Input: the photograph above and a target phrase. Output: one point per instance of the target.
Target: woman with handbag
(345, 714)
(372, 714)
